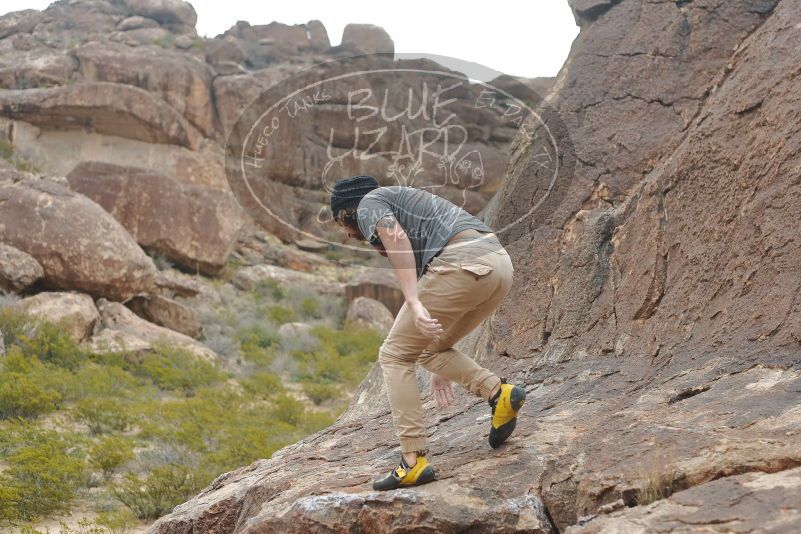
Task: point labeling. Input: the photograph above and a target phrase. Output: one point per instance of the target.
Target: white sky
(522, 37)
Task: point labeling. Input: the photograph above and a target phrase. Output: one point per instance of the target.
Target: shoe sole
(517, 398)
(427, 475)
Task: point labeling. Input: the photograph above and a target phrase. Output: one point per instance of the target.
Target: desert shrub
(51, 344)
(263, 384)
(309, 307)
(320, 393)
(173, 368)
(16, 327)
(43, 471)
(109, 453)
(159, 491)
(119, 521)
(281, 314)
(288, 410)
(268, 288)
(19, 397)
(343, 356)
(6, 149)
(106, 381)
(103, 415)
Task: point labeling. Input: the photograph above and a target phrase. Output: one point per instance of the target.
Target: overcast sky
(523, 37)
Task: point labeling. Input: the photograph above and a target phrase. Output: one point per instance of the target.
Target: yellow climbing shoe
(505, 405)
(403, 475)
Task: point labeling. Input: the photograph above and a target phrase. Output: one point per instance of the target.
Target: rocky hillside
(656, 318)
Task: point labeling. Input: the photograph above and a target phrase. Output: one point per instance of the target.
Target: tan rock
(367, 39)
(248, 278)
(75, 312)
(174, 13)
(181, 80)
(19, 22)
(18, 270)
(294, 330)
(135, 22)
(117, 318)
(377, 284)
(370, 313)
(114, 341)
(166, 312)
(77, 243)
(191, 225)
(106, 108)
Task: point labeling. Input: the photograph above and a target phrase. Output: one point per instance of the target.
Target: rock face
(367, 39)
(120, 325)
(107, 108)
(376, 284)
(194, 226)
(60, 229)
(370, 313)
(655, 319)
(76, 312)
(166, 312)
(18, 270)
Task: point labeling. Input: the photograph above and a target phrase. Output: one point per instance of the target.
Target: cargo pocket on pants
(478, 269)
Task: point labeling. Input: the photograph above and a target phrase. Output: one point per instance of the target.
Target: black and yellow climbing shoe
(403, 475)
(505, 405)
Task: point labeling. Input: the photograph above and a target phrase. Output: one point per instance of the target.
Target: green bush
(319, 393)
(109, 453)
(51, 344)
(281, 314)
(103, 415)
(173, 368)
(159, 492)
(42, 475)
(19, 397)
(288, 410)
(119, 521)
(310, 307)
(268, 288)
(263, 384)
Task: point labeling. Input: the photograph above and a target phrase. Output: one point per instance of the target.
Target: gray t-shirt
(428, 220)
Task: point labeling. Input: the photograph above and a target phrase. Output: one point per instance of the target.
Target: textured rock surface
(655, 318)
(166, 312)
(120, 320)
(367, 39)
(18, 270)
(59, 228)
(76, 312)
(377, 284)
(107, 108)
(194, 226)
(370, 313)
(754, 502)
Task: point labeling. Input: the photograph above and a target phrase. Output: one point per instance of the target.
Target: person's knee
(388, 354)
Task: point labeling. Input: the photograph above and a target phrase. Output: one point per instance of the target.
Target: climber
(453, 272)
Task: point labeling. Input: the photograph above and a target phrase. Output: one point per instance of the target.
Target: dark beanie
(348, 192)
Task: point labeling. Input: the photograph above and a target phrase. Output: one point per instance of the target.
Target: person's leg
(441, 358)
(446, 294)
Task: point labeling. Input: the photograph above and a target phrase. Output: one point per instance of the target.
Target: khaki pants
(462, 286)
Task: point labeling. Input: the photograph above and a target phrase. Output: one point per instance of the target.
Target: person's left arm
(400, 254)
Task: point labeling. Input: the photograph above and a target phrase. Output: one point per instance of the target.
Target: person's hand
(428, 326)
(442, 389)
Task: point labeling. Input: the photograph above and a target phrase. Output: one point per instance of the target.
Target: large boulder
(377, 284)
(370, 313)
(120, 326)
(78, 244)
(19, 22)
(367, 39)
(18, 270)
(76, 313)
(194, 226)
(107, 108)
(181, 80)
(175, 14)
(166, 312)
